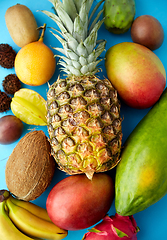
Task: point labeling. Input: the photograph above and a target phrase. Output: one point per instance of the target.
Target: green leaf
(120, 233)
(70, 8)
(79, 32)
(82, 50)
(56, 19)
(90, 41)
(95, 20)
(65, 19)
(95, 9)
(96, 52)
(84, 11)
(94, 230)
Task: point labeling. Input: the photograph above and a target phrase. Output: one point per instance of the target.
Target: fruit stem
(4, 194)
(43, 31)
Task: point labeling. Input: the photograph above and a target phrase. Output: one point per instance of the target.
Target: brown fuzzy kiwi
(30, 168)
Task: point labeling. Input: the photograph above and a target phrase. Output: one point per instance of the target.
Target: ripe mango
(137, 73)
(141, 175)
(76, 202)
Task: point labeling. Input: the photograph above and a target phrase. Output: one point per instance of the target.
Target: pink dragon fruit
(114, 228)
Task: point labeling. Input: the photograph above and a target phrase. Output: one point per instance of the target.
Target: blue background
(152, 221)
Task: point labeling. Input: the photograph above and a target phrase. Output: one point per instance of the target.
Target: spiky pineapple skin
(84, 124)
(83, 117)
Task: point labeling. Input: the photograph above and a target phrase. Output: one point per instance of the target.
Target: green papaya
(141, 175)
(119, 15)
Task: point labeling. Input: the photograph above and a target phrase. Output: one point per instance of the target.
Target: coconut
(30, 167)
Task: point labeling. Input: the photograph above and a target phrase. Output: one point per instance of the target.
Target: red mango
(76, 202)
(137, 73)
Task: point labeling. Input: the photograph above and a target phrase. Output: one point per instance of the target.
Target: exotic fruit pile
(68, 132)
(83, 111)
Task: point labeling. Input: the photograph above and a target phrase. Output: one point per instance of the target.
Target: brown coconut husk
(30, 168)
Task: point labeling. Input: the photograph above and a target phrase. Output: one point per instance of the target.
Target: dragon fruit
(114, 228)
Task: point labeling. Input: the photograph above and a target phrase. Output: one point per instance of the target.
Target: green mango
(141, 175)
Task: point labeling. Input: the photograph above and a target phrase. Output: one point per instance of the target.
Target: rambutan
(7, 56)
(11, 84)
(5, 101)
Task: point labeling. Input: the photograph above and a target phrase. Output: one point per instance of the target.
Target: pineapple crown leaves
(78, 35)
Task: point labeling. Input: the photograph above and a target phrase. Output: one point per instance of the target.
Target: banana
(32, 225)
(31, 207)
(8, 231)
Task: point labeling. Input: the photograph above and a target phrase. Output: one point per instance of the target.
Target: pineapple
(83, 119)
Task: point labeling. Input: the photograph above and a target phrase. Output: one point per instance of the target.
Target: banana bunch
(21, 220)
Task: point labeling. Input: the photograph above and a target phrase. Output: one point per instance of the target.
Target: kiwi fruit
(21, 24)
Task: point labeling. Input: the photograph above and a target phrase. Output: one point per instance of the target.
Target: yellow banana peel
(8, 231)
(32, 225)
(31, 207)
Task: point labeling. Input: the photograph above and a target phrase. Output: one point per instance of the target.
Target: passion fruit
(148, 31)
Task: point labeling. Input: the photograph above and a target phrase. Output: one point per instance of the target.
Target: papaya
(141, 175)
